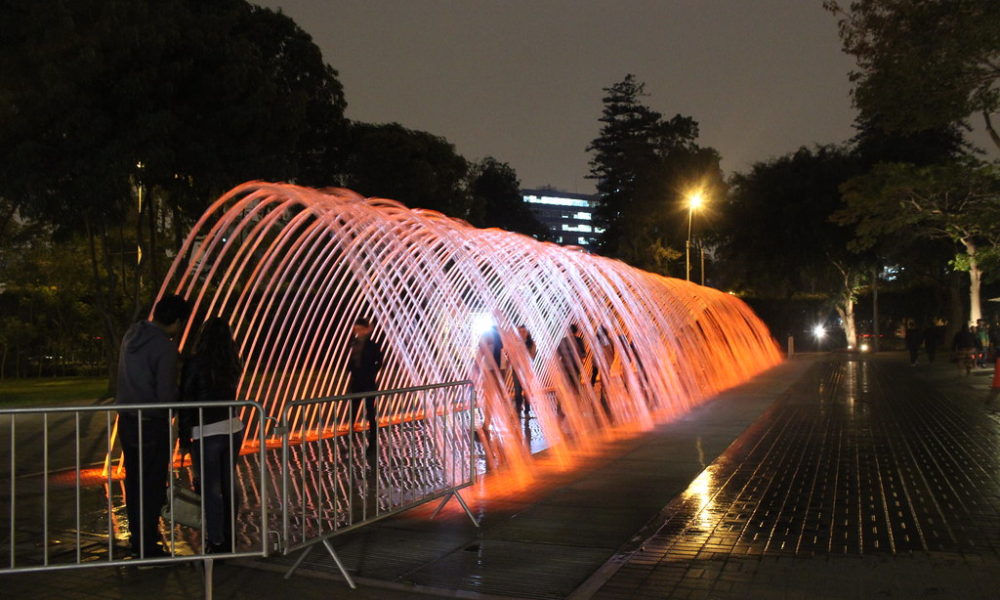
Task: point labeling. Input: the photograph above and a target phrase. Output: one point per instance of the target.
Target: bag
(187, 507)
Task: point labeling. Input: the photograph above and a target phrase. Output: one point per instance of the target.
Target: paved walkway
(869, 479)
(848, 478)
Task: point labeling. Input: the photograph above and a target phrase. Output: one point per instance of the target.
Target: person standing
(964, 346)
(520, 401)
(147, 374)
(212, 373)
(572, 350)
(364, 361)
(913, 341)
(932, 338)
(983, 343)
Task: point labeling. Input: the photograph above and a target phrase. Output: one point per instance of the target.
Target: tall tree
(644, 165)
(105, 103)
(923, 63)
(497, 201)
(775, 237)
(417, 168)
(958, 201)
(625, 148)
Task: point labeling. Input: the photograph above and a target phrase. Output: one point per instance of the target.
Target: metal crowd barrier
(337, 476)
(65, 498)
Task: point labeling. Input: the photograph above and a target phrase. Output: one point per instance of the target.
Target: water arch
(292, 267)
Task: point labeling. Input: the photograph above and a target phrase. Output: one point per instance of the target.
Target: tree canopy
(775, 237)
(644, 166)
(923, 64)
(202, 95)
(957, 201)
(496, 199)
(120, 120)
(417, 168)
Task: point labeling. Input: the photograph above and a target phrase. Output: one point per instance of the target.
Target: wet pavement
(868, 479)
(830, 476)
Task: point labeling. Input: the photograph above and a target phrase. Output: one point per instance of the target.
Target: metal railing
(66, 499)
(338, 474)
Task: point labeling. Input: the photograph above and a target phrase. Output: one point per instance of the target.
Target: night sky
(522, 80)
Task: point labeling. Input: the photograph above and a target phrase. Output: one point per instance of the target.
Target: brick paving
(869, 478)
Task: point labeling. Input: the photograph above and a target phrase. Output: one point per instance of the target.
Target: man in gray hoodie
(147, 373)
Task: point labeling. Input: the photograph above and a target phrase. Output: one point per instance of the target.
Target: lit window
(550, 200)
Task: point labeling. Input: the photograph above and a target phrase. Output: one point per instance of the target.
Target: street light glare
(819, 331)
(696, 200)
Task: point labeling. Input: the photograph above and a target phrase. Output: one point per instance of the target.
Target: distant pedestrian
(147, 374)
(211, 374)
(492, 344)
(995, 386)
(982, 342)
(572, 350)
(520, 400)
(932, 339)
(913, 340)
(964, 348)
(604, 358)
(363, 363)
(994, 341)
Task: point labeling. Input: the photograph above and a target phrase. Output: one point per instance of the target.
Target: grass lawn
(51, 391)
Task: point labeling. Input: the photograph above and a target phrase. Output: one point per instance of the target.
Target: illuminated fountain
(291, 268)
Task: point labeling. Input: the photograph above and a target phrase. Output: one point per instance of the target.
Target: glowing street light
(695, 201)
(819, 332)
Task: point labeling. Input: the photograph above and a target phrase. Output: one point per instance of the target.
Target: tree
(923, 63)
(417, 168)
(644, 165)
(47, 320)
(957, 201)
(496, 197)
(105, 103)
(775, 238)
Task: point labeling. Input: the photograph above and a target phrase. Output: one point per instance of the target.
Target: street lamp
(695, 201)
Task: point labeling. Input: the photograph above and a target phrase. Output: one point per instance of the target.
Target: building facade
(569, 217)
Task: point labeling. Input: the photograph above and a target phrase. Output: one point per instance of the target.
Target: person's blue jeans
(215, 473)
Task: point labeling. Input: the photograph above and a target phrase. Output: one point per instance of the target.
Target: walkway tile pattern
(861, 481)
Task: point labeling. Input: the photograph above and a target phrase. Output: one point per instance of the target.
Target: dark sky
(522, 80)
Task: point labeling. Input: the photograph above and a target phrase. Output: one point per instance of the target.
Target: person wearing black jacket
(363, 363)
(147, 373)
(212, 374)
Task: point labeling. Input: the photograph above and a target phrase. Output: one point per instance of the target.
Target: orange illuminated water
(291, 268)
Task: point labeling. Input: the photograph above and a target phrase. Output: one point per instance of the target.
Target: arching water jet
(291, 268)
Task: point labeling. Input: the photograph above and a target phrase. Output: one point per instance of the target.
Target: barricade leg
(209, 565)
(340, 565)
(461, 501)
(298, 561)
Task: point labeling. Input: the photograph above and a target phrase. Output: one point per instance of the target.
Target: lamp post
(695, 201)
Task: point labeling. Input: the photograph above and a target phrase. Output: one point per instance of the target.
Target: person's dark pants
(520, 401)
(370, 414)
(914, 353)
(146, 467)
(931, 351)
(216, 476)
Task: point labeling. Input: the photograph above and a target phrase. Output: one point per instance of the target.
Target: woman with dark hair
(211, 373)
